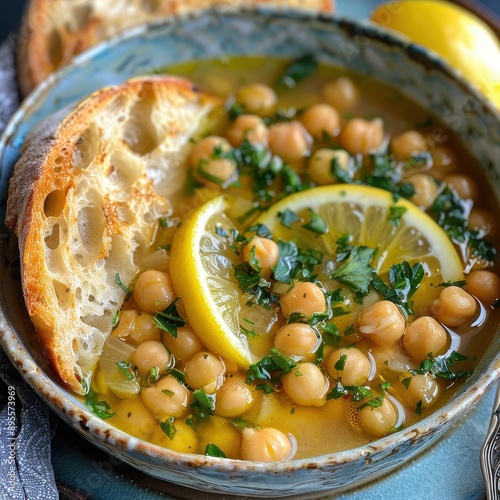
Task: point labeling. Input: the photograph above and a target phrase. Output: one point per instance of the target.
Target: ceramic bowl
(362, 48)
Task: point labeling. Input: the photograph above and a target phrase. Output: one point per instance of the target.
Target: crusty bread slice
(53, 31)
(84, 203)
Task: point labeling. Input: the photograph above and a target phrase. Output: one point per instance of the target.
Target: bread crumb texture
(85, 198)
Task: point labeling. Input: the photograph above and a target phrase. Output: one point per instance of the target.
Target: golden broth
(320, 429)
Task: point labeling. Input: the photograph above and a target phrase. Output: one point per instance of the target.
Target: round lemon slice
(202, 266)
(454, 33)
(399, 230)
(203, 257)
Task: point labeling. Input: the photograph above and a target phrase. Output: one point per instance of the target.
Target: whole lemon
(457, 35)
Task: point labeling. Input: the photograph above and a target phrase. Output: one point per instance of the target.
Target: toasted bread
(84, 203)
(53, 31)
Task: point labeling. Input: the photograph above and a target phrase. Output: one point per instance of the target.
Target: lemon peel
(201, 267)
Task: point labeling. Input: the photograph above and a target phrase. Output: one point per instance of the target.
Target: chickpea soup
(327, 277)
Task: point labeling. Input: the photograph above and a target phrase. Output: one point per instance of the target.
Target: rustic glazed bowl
(362, 48)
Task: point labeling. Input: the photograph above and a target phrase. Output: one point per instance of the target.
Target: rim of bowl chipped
(110, 438)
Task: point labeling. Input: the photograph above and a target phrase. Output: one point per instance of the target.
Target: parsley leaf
(203, 405)
(99, 408)
(317, 224)
(404, 281)
(213, 450)
(169, 319)
(297, 71)
(355, 271)
(168, 427)
(441, 366)
(270, 367)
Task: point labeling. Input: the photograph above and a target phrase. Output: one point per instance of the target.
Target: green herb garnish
(297, 71)
(213, 450)
(355, 271)
(169, 319)
(99, 408)
(168, 427)
(126, 368)
(404, 282)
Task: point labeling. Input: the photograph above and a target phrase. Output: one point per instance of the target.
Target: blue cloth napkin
(25, 422)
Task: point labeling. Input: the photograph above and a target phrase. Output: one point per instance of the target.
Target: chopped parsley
(355, 271)
(452, 213)
(317, 224)
(404, 280)
(168, 427)
(270, 367)
(395, 214)
(126, 368)
(203, 406)
(296, 72)
(127, 290)
(213, 450)
(169, 319)
(441, 366)
(99, 408)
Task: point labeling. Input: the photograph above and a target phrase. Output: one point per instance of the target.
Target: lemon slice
(399, 230)
(202, 258)
(454, 33)
(202, 268)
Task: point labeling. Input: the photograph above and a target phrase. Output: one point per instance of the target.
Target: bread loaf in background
(53, 31)
(84, 202)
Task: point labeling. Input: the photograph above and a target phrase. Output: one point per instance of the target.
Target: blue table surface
(449, 470)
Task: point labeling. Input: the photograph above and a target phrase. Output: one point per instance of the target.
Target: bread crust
(53, 31)
(84, 207)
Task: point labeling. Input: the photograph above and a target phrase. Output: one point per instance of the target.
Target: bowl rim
(107, 436)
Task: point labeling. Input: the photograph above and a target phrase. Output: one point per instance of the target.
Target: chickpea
(353, 371)
(483, 221)
(360, 136)
(422, 388)
(290, 141)
(144, 328)
(454, 307)
(464, 186)
(204, 371)
(266, 254)
(426, 190)
(265, 445)
(234, 397)
(484, 285)
(321, 119)
(151, 354)
(185, 346)
(342, 93)
(405, 145)
(249, 127)
(256, 98)
(423, 336)
(382, 322)
(153, 291)
(168, 397)
(444, 161)
(297, 339)
(306, 385)
(304, 298)
(378, 421)
(321, 165)
(219, 172)
(204, 150)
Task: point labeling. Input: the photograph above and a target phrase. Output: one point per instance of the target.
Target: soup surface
(327, 277)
